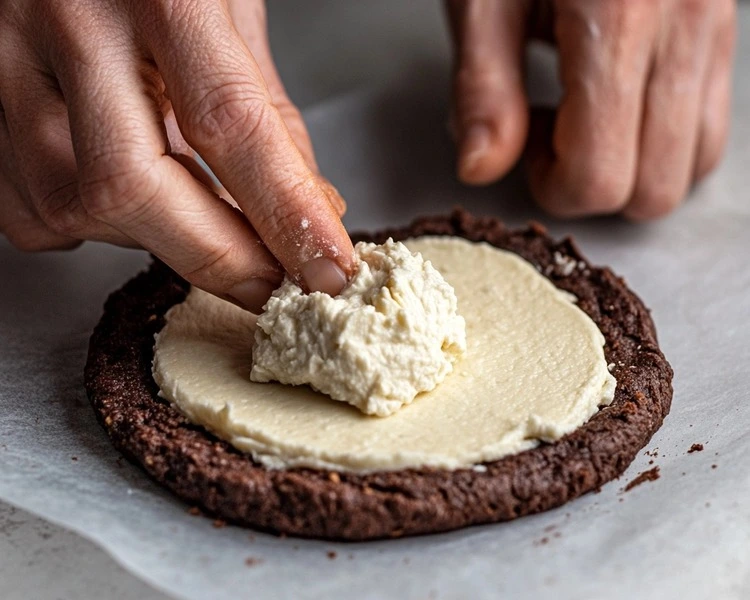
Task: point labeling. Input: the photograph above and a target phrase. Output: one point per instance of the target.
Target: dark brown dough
(315, 503)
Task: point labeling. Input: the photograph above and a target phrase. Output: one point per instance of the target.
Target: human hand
(645, 110)
(96, 98)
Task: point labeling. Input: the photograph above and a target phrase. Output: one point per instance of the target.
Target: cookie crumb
(251, 561)
(650, 475)
(219, 524)
(331, 555)
(194, 511)
(333, 476)
(695, 448)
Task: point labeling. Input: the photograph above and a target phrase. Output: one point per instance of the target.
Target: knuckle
(119, 189)
(57, 209)
(213, 266)
(476, 77)
(229, 111)
(693, 12)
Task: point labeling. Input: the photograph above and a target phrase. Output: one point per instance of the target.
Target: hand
(96, 98)
(645, 111)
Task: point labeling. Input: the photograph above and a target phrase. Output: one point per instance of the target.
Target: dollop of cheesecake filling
(392, 333)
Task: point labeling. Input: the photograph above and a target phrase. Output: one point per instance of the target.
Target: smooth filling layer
(534, 369)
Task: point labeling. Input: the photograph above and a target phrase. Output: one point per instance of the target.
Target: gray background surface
(324, 49)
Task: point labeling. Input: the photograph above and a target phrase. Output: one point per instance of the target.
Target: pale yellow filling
(534, 370)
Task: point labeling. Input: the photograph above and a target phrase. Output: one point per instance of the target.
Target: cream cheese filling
(534, 369)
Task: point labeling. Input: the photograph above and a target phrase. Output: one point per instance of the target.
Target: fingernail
(323, 275)
(252, 294)
(474, 144)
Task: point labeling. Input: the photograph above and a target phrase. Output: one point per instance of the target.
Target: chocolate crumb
(650, 475)
(695, 448)
(651, 462)
(331, 554)
(74, 458)
(219, 524)
(194, 511)
(251, 561)
(714, 466)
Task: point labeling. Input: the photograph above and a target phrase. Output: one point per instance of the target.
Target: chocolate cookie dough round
(341, 503)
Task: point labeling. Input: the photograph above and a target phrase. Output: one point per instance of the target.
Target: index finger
(226, 113)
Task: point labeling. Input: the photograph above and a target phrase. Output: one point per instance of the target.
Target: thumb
(489, 115)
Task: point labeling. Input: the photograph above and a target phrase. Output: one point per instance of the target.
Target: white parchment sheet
(685, 535)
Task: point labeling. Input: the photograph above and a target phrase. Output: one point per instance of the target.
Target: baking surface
(685, 534)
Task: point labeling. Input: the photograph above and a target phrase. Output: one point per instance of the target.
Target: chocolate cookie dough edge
(324, 504)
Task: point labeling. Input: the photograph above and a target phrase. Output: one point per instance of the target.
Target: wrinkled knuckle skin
(694, 11)
(57, 209)
(212, 268)
(120, 192)
(228, 112)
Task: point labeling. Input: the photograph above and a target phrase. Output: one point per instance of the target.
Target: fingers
(669, 136)
(127, 181)
(588, 166)
(715, 113)
(44, 170)
(226, 113)
(20, 225)
(489, 112)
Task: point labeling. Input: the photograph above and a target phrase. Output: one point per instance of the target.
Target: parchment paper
(685, 535)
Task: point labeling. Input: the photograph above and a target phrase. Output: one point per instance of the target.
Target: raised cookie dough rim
(428, 499)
